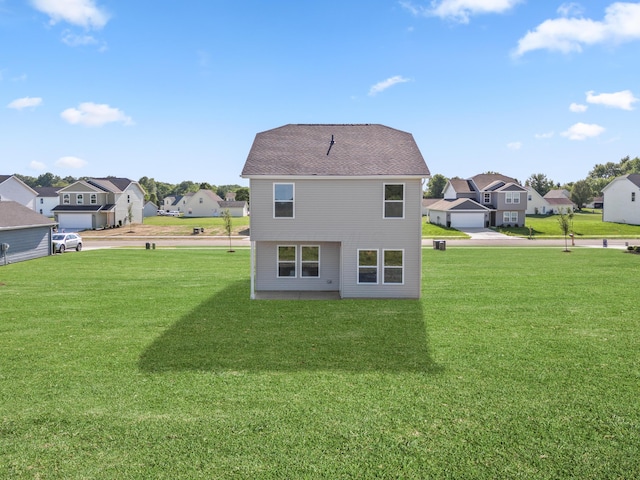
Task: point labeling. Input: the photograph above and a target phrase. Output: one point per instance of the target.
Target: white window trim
(384, 267)
(93, 199)
(384, 201)
(511, 216)
(293, 202)
(302, 262)
(295, 261)
(79, 199)
(377, 266)
(486, 197)
(512, 197)
(66, 198)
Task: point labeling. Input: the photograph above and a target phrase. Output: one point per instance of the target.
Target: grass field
(517, 363)
(586, 224)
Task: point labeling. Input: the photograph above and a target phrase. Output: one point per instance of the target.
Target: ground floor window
(509, 217)
(286, 261)
(367, 266)
(310, 260)
(309, 266)
(393, 266)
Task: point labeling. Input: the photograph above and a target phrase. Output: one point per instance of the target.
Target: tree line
(155, 191)
(581, 191)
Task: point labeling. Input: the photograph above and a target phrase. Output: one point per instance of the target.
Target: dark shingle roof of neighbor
(47, 191)
(483, 180)
(4, 178)
(14, 214)
(461, 186)
(634, 178)
(358, 150)
(458, 204)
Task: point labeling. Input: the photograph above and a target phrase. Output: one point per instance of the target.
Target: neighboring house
(426, 204)
(597, 202)
(48, 198)
(26, 233)
(336, 208)
(559, 201)
(203, 203)
(176, 202)
(236, 208)
(485, 200)
(99, 203)
(12, 188)
(622, 200)
(150, 209)
(536, 203)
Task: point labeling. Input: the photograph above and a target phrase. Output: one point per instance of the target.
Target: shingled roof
(14, 214)
(335, 150)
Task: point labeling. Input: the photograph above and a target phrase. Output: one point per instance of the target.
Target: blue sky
(177, 90)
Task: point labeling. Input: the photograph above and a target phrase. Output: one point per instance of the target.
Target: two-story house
(484, 200)
(336, 208)
(622, 200)
(99, 203)
(14, 189)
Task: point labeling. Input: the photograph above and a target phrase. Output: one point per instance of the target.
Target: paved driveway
(487, 234)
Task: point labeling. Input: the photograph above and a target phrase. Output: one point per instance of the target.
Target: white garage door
(467, 220)
(75, 221)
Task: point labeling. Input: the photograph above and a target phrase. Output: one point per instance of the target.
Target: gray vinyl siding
(350, 213)
(266, 268)
(26, 243)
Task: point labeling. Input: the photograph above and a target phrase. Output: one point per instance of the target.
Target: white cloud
(83, 13)
(570, 9)
(25, 102)
(460, 10)
(582, 131)
(514, 145)
(623, 99)
(70, 162)
(544, 135)
(389, 82)
(578, 108)
(38, 166)
(73, 40)
(95, 115)
(621, 23)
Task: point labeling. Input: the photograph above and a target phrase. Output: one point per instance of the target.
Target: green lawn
(431, 230)
(586, 224)
(133, 363)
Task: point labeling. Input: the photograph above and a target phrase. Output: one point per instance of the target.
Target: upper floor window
(310, 260)
(367, 266)
(66, 199)
(128, 198)
(283, 200)
(79, 198)
(286, 261)
(486, 198)
(200, 200)
(41, 201)
(512, 197)
(394, 200)
(93, 199)
(633, 196)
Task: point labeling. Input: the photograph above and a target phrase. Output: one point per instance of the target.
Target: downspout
(253, 293)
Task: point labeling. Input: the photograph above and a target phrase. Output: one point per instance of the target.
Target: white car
(173, 213)
(64, 241)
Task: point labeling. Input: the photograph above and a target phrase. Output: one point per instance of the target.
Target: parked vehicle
(173, 213)
(64, 241)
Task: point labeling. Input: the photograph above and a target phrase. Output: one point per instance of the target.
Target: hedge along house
(24, 234)
(336, 209)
